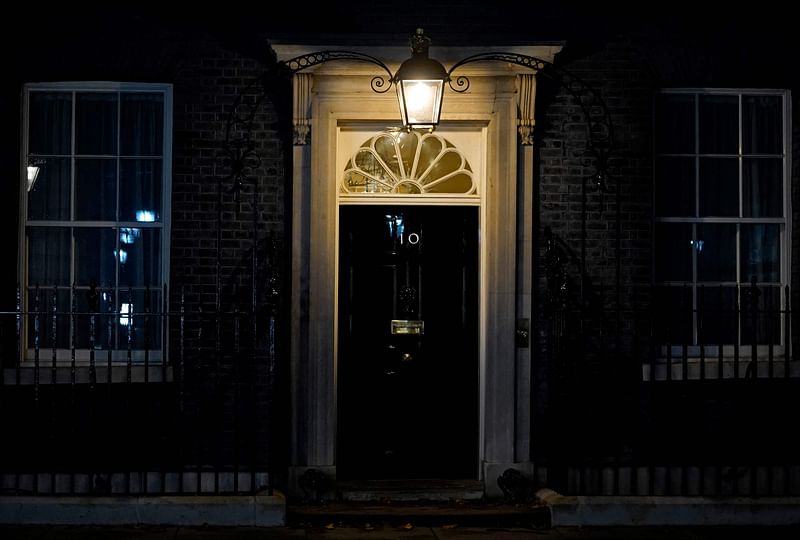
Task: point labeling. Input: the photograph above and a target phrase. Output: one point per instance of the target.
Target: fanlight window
(408, 163)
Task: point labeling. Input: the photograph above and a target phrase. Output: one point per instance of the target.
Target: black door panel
(408, 342)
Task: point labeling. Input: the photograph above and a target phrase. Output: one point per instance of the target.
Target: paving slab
(238, 533)
(472, 533)
(79, 532)
(743, 533)
(407, 532)
(421, 514)
(622, 533)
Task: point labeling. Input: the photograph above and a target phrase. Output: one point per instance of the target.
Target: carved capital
(301, 134)
(526, 96)
(301, 113)
(525, 134)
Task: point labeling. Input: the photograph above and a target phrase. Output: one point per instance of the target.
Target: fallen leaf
(450, 526)
(407, 527)
(330, 526)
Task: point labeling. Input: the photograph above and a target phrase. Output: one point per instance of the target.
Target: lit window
(408, 163)
(721, 195)
(94, 228)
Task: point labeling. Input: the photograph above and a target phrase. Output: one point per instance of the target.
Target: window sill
(26, 375)
(709, 368)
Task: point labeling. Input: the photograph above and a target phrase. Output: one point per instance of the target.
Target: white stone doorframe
(500, 97)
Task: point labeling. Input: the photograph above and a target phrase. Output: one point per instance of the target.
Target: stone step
(392, 513)
(410, 491)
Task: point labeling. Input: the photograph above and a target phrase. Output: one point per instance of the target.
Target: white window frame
(63, 357)
(710, 351)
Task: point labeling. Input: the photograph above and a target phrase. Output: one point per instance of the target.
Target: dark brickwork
(213, 247)
(205, 92)
(564, 166)
(588, 232)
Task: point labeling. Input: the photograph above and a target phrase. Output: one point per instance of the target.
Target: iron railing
(169, 401)
(635, 407)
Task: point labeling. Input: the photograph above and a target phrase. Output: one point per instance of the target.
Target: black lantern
(420, 86)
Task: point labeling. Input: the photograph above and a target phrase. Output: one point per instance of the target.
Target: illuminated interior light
(145, 216)
(125, 311)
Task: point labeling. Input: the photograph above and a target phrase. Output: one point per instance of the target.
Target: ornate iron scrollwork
(559, 284)
(600, 129)
(379, 83)
(240, 154)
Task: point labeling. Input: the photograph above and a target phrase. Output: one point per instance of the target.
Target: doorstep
(421, 502)
(419, 514)
(409, 490)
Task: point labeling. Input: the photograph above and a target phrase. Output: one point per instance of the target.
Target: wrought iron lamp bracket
(240, 154)
(600, 129)
(379, 83)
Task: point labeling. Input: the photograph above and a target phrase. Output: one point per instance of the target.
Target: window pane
(674, 315)
(716, 315)
(50, 123)
(761, 317)
(428, 154)
(762, 124)
(97, 327)
(96, 123)
(675, 193)
(49, 197)
(42, 329)
(719, 187)
(673, 252)
(719, 124)
(716, 252)
(141, 119)
(96, 189)
(48, 256)
(761, 254)
(144, 330)
(95, 259)
(140, 258)
(140, 190)
(675, 124)
(762, 182)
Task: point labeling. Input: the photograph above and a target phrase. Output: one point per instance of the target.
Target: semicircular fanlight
(408, 163)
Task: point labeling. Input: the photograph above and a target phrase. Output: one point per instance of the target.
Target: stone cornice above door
(359, 73)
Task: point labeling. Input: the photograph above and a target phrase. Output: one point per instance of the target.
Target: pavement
(405, 531)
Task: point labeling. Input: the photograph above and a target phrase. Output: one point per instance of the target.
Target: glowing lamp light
(420, 86)
(422, 102)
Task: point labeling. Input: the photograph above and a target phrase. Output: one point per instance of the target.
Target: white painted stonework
(340, 96)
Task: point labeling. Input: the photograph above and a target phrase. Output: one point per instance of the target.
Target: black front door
(407, 388)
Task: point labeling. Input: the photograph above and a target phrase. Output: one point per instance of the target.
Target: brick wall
(589, 232)
(212, 251)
